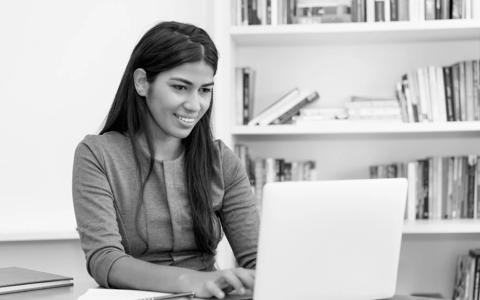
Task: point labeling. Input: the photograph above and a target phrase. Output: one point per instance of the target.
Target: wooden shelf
(442, 226)
(355, 33)
(359, 127)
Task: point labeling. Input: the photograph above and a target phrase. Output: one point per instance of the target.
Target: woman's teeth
(185, 119)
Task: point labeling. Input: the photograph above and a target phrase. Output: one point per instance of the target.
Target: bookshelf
(361, 127)
(341, 60)
(345, 33)
(464, 226)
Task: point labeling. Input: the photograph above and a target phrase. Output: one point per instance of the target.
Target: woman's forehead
(194, 71)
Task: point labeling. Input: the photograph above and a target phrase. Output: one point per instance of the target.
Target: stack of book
(467, 276)
(440, 94)
(375, 109)
(274, 12)
(263, 170)
(439, 187)
(313, 115)
(278, 169)
(284, 109)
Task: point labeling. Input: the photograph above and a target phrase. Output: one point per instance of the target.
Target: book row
(438, 187)
(263, 170)
(467, 276)
(448, 93)
(275, 12)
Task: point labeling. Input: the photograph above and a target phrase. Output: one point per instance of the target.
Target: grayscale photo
(240, 149)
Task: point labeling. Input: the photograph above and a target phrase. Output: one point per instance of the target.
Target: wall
(61, 62)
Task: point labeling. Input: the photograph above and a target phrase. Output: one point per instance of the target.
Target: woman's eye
(206, 90)
(179, 87)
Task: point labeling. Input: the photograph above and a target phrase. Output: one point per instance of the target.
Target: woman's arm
(100, 238)
(239, 214)
(132, 273)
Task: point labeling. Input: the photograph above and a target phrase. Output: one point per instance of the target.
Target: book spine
(446, 13)
(456, 91)
(380, 10)
(457, 9)
(445, 172)
(246, 95)
(447, 79)
(244, 13)
(429, 9)
(438, 9)
(476, 88)
(462, 88)
(394, 10)
(370, 11)
(470, 110)
(354, 11)
(471, 169)
(403, 10)
(441, 101)
(274, 12)
(426, 190)
(477, 187)
(362, 11)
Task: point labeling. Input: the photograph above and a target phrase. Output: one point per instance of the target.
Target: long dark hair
(166, 46)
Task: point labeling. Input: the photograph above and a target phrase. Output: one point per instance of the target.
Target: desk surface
(80, 287)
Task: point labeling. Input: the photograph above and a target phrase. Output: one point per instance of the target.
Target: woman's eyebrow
(189, 82)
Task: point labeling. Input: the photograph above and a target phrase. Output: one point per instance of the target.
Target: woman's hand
(217, 283)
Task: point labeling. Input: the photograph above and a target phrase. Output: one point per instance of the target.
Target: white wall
(60, 64)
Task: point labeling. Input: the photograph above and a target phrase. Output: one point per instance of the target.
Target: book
(321, 11)
(303, 100)
(267, 112)
(14, 279)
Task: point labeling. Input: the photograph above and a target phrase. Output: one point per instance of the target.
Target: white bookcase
(341, 60)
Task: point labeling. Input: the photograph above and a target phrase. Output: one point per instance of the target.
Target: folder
(14, 279)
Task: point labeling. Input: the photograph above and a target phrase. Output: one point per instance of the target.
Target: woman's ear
(140, 81)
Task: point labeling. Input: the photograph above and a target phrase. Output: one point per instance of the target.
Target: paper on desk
(114, 294)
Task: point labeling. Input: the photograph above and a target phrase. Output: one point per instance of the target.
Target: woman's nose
(193, 102)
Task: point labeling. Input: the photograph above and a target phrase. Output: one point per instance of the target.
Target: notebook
(332, 240)
(14, 279)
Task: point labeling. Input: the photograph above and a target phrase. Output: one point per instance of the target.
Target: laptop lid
(330, 239)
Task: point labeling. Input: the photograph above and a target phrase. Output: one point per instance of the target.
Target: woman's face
(178, 98)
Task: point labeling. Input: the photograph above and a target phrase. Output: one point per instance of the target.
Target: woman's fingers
(214, 289)
(247, 277)
(231, 279)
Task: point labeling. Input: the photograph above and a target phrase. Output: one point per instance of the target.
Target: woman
(153, 192)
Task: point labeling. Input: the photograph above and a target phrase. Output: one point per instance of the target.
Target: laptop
(330, 240)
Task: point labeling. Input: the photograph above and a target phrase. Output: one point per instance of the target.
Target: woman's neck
(165, 149)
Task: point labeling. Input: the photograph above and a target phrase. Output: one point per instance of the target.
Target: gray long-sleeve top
(105, 192)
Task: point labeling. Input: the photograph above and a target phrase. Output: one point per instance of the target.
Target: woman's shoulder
(223, 151)
(106, 140)
(109, 142)
(227, 159)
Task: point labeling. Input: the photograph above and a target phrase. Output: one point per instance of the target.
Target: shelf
(442, 226)
(32, 225)
(358, 127)
(38, 235)
(355, 33)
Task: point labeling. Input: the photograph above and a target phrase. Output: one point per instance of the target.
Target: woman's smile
(185, 119)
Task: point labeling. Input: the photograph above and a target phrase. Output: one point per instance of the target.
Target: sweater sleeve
(95, 214)
(239, 215)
